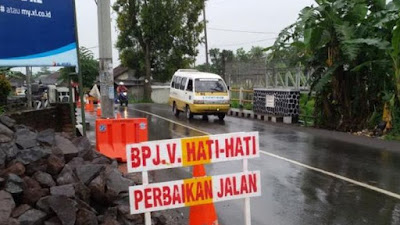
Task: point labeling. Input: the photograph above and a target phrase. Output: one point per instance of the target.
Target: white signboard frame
(173, 153)
(170, 195)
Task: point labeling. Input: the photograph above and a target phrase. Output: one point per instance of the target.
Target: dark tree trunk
(3, 100)
(147, 84)
(223, 64)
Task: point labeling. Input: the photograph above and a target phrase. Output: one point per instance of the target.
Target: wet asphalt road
(293, 194)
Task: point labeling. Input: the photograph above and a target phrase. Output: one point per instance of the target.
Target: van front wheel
(221, 116)
(189, 114)
(175, 110)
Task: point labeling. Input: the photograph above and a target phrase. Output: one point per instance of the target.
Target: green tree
(346, 43)
(241, 55)
(158, 37)
(219, 59)
(257, 53)
(89, 66)
(6, 71)
(395, 55)
(43, 71)
(5, 89)
(202, 67)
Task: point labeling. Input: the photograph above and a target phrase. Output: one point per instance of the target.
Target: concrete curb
(244, 113)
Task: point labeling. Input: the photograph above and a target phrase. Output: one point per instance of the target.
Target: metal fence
(259, 74)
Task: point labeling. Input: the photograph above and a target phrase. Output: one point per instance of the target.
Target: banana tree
(346, 48)
(391, 98)
(395, 54)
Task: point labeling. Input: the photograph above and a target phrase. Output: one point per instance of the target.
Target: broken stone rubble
(46, 178)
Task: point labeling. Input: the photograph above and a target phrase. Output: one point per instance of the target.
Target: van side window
(173, 82)
(183, 83)
(178, 82)
(190, 85)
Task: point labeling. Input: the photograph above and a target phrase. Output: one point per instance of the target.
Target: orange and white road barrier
(112, 135)
(98, 110)
(118, 115)
(89, 107)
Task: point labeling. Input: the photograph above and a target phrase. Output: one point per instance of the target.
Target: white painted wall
(160, 94)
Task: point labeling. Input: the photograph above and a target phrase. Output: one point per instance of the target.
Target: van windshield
(209, 85)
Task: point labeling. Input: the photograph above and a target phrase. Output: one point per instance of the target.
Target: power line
(245, 43)
(241, 31)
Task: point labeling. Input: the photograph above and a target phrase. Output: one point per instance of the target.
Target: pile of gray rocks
(50, 178)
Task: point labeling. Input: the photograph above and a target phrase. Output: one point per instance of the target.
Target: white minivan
(198, 93)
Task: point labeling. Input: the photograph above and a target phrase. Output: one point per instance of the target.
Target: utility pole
(78, 69)
(105, 53)
(29, 85)
(205, 34)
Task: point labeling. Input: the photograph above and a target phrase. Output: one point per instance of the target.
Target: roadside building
(127, 76)
(18, 82)
(160, 91)
(53, 78)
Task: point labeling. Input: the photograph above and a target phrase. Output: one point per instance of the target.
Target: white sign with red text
(194, 191)
(191, 151)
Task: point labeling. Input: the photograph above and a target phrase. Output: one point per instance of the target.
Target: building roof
(53, 78)
(120, 70)
(17, 81)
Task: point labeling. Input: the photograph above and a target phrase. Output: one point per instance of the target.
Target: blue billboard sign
(37, 33)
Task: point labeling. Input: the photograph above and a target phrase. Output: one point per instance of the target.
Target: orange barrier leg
(89, 107)
(98, 112)
(202, 214)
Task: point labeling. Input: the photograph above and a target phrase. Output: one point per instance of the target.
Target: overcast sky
(266, 16)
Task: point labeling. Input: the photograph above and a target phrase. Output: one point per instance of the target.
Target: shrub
(235, 104)
(394, 134)
(5, 89)
(248, 106)
(307, 106)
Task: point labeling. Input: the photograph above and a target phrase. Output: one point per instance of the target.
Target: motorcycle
(123, 98)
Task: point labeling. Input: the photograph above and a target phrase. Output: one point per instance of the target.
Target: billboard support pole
(80, 77)
(29, 86)
(82, 100)
(106, 64)
(71, 104)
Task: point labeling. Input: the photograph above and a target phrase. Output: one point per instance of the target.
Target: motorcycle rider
(121, 88)
(122, 94)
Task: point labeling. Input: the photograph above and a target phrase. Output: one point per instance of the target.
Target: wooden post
(241, 97)
(29, 86)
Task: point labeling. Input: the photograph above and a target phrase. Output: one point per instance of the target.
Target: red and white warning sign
(191, 151)
(194, 191)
